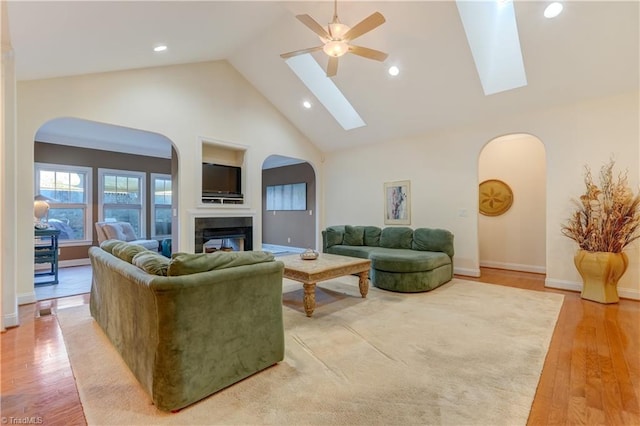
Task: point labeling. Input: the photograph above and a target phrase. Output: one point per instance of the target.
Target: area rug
(466, 353)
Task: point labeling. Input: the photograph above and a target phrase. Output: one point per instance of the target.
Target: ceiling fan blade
(300, 52)
(364, 26)
(365, 52)
(332, 67)
(313, 25)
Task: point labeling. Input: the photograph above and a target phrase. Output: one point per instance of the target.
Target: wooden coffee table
(325, 267)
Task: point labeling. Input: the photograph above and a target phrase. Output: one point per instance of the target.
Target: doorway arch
(73, 141)
(516, 238)
(291, 230)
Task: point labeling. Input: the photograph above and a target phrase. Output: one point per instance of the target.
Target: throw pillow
(187, 263)
(108, 245)
(113, 231)
(127, 231)
(372, 236)
(353, 235)
(126, 251)
(335, 235)
(396, 237)
(151, 263)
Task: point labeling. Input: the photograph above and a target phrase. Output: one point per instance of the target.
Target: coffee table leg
(309, 298)
(364, 283)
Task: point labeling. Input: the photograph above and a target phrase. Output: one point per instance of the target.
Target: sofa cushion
(353, 235)
(126, 251)
(372, 236)
(188, 263)
(335, 235)
(396, 237)
(108, 245)
(426, 239)
(353, 251)
(151, 262)
(127, 230)
(395, 260)
(114, 231)
(119, 231)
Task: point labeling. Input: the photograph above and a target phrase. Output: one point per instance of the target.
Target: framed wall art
(397, 203)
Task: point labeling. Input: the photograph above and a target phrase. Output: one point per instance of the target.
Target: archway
(288, 204)
(84, 149)
(514, 239)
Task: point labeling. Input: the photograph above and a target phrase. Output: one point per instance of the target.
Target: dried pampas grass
(607, 217)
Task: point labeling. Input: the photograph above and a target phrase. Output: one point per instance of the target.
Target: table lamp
(41, 209)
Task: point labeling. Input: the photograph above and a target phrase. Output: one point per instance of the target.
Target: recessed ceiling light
(160, 48)
(553, 10)
(393, 70)
(306, 104)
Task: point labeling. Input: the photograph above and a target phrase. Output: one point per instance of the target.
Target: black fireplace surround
(212, 228)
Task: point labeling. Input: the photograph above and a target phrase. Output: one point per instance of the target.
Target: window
(161, 205)
(69, 188)
(292, 196)
(122, 198)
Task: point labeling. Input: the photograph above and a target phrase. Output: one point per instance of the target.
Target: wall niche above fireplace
(224, 173)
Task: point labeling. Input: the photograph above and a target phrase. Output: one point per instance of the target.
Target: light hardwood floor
(591, 375)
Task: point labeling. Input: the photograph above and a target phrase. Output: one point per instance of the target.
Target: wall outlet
(310, 212)
(288, 239)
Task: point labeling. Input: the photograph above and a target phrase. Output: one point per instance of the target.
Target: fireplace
(223, 233)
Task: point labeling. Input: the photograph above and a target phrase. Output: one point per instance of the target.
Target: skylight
(492, 33)
(323, 88)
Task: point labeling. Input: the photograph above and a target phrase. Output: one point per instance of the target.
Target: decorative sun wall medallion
(495, 197)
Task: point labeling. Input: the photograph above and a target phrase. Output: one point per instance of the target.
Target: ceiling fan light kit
(336, 39)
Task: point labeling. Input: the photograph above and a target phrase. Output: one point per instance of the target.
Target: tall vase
(600, 272)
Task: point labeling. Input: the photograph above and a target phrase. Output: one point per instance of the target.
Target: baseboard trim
(467, 272)
(625, 293)
(563, 285)
(10, 320)
(64, 264)
(26, 298)
(629, 293)
(74, 262)
(514, 267)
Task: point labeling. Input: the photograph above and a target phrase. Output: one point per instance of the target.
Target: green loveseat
(402, 259)
(189, 334)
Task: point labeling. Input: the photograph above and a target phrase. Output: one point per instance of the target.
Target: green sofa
(402, 259)
(214, 320)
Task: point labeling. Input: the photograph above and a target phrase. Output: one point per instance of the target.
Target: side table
(46, 251)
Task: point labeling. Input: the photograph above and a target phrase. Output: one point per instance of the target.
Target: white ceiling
(590, 50)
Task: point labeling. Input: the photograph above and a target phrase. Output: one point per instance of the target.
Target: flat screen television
(221, 180)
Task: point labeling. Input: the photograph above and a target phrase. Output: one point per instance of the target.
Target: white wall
(516, 239)
(8, 175)
(443, 169)
(185, 103)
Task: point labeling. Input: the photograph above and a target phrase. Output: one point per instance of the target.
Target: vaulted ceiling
(590, 50)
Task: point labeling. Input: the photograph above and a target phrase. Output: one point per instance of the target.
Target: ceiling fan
(337, 36)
